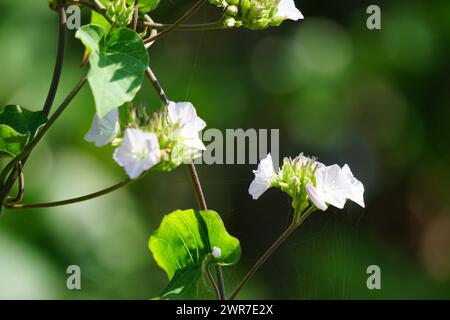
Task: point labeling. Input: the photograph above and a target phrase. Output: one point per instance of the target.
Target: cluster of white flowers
(257, 14)
(309, 180)
(140, 149)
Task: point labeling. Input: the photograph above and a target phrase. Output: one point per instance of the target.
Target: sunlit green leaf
(182, 244)
(145, 5)
(18, 126)
(118, 61)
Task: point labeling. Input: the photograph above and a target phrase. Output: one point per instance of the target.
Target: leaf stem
(213, 283)
(269, 252)
(70, 201)
(183, 18)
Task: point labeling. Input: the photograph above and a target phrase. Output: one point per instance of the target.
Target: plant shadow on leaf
(182, 247)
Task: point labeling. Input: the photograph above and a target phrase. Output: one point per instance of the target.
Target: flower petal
(263, 177)
(355, 188)
(103, 130)
(286, 9)
(138, 152)
(315, 198)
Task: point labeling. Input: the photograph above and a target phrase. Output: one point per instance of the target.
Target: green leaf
(18, 126)
(118, 61)
(11, 142)
(183, 244)
(100, 20)
(184, 284)
(145, 5)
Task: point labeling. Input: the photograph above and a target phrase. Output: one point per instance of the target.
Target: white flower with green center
(334, 186)
(286, 9)
(264, 177)
(138, 152)
(187, 125)
(306, 180)
(104, 130)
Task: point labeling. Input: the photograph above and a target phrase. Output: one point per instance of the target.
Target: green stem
(269, 252)
(70, 201)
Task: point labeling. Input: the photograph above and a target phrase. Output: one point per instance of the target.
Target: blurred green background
(377, 100)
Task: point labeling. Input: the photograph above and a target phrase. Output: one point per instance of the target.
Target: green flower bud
(293, 177)
(119, 13)
(233, 2)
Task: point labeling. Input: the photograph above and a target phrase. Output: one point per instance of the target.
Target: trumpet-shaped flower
(305, 180)
(187, 125)
(334, 186)
(264, 177)
(138, 152)
(104, 130)
(286, 9)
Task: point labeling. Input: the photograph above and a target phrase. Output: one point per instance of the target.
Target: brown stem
(298, 220)
(155, 83)
(59, 60)
(183, 18)
(134, 23)
(194, 177)
(184, 27)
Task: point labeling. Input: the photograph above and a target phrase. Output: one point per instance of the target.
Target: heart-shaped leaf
(18, 126)
(118, 61)
(183, 244)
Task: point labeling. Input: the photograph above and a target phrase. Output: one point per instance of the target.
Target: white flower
(286, 9)
(183, 117)
(138, 152)
(216, 252)
(334, 186)
(104, 130)
(264, 176)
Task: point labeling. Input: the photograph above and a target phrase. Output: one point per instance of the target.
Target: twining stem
(21, 189)
(59, 60)
(7, 186)
(184, 27)
(11, 167)
(70, 201)
(194, 177)
(269, 252)
(183, 18)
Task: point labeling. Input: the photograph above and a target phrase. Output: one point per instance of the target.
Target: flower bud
(216, 253)
(229, 22)
(119, 13)
(232, 10)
